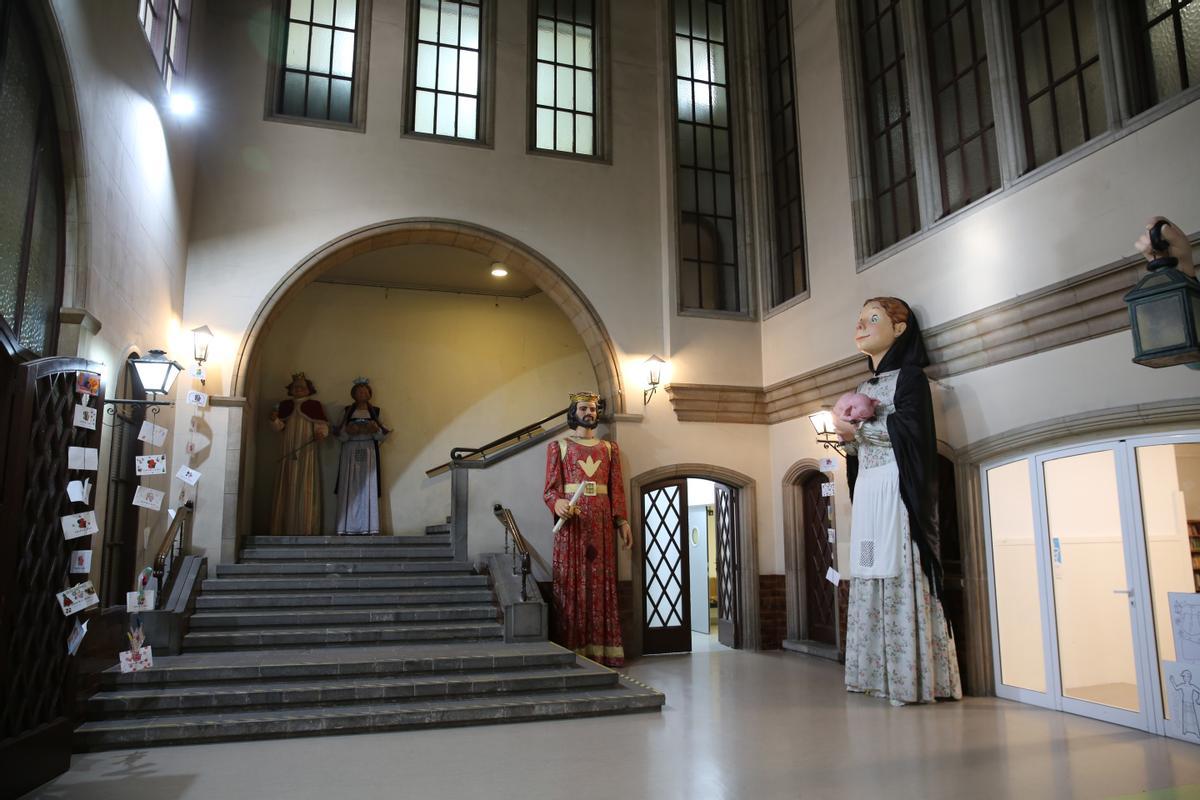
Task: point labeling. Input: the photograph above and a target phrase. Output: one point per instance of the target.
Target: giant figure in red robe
(585, 551)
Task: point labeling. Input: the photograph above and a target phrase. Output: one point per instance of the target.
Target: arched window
(31, 188)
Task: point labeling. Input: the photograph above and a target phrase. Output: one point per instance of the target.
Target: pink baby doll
(855, 408)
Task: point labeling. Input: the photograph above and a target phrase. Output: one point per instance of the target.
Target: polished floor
(736, 725)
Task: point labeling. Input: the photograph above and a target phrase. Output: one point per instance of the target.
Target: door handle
(1126, 592)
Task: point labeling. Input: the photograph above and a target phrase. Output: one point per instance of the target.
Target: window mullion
(920, 111)
(862, 192)
(1112, 65)
(1006, 96)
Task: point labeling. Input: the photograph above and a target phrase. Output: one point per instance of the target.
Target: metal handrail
(520, 546)
(174, 546)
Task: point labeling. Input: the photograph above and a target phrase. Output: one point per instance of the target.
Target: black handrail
(461, 453)
(520, 547)
(174, 546)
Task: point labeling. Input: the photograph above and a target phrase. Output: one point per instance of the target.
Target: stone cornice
(1083, 307)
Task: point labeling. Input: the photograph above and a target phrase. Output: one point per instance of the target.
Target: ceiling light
(182, 104)
(499, 270)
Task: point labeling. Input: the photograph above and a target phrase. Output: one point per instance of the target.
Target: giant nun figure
(358, 484)
(898, 645)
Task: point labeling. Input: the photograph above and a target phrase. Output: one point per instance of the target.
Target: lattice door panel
(666, 624)
(728, 565)
(37, 682)
(819, 596)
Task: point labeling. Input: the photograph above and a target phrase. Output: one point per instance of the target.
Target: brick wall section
(772, 610)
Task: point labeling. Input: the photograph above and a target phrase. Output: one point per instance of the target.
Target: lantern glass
(156, 372)
(201, 338)
(822, 422)
(1161, 322)
(653, 367)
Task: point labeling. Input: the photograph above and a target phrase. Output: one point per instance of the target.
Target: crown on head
(584, 397)
(361, 381)
(299, 376)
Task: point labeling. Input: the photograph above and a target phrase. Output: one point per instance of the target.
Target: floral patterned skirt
(898, 644)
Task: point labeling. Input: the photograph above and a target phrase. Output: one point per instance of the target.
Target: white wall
(448, 370)
(129, 200)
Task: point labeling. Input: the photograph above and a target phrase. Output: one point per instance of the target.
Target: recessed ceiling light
(499, 270)
(182, 104)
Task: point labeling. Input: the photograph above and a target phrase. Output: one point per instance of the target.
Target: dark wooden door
(119, 563)
(728, 567)
(37, 677)
(667, 621)
(819, 606)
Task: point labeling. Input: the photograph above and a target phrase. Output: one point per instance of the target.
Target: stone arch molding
(475, 238)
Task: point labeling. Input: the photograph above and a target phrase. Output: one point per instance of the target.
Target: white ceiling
(430, 267)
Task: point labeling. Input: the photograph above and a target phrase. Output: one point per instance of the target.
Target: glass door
(1094, 595)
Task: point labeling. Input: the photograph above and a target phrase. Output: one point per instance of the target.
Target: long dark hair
(573, 421)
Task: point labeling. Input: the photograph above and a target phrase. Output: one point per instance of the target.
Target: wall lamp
(1164, 310)
(157, 373)
(827, 435)
(201, 338)
(653, 377)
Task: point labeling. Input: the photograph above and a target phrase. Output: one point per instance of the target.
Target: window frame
(163, 15)
(601, 76)
(1118, 58)
(748, 228)
(275, 70)
(485, 110)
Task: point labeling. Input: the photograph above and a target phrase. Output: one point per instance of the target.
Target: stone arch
(747, 521)
(475, 238)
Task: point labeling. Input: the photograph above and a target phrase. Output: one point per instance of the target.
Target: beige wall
(129, 183)
(448, 370)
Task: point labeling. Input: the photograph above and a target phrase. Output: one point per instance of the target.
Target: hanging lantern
(1164, 311)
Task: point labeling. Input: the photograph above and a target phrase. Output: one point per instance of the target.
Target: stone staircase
(316, 635)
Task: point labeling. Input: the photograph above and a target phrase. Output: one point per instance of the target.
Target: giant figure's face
(299, 388)
(875, 332)
(361, 393)
(587, 413)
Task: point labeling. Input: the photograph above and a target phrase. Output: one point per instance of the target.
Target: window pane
(468, 72)
(426, 65)
(447, 69)
(584, 134)
(583, 91)
(346, 13)
(545, 39)
(564, 131)
(19, 96)
(564, 86)
(319, 51)
(545, 84)
(470, 27)
(301, 9)
(445, 115)
(545, 129)
(685, 143)
(297, 46)
(343, 53)
(1165, 58)
(293, 94)
(716, 22)
(683, 98)
(323, 12)
(720, 106)
(1041, 124)
(45, 242)
(427, 21)
(583, 47)
(467, 110)
(318, 97)
(448, 32)
(683, 57)
(423, 112)
(564, 42)
(339, 101)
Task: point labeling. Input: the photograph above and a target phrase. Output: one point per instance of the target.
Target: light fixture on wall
(157, 373)
(499, 270)
(652, 368)
(827, 435)
(201, 339)
(181, 103)
(1164, 310)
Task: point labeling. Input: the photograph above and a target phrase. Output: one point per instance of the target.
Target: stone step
(627, 696)
(263, 638)
(338, 662)
(329, 617)
(343, 568)
(417, 540)
(338, 583)
(252, 555)
(316, 600)
(200, 698)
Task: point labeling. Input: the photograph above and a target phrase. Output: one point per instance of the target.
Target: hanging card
(149, 498)
(150, 465)
(152, 434)
(77, 598)
(195, 398)
(76, 525)
(828, 465)
(827, 489)
(137, 660)
(133, 604)
(84, 458)
(833, 576)
(81, 561)
(188, 475)
(87, 383)
(85, 417)
(198, 372)
(79, 491)
(76, 637)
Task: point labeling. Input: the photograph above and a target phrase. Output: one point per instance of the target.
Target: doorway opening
(120, 557)
(693, 540)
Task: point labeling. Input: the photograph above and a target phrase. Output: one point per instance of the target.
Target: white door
(698, 566)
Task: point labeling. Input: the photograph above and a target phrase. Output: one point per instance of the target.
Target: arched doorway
(664, 608)
(470, 239)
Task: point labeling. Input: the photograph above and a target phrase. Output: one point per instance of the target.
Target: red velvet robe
(585, 549)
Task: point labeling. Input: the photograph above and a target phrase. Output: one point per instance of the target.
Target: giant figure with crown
(301, 419)
(584, 489)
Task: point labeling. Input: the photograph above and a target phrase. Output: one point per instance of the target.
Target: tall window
(323, 58)
(165, 23)
(566, 79)
(893, 192)
(709, 273)
(789, 277)
(1062, 90)
(31, 189)
(446, 98)
(962, 101)
(1169, 39)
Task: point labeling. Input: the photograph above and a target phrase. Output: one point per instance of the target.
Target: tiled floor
(736, 725)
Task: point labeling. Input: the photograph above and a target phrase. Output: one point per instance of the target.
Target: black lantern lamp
(156, 372)
(827, 435)
(1164, 311)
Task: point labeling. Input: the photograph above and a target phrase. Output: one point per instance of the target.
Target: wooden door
(728, 567)
(37, 677)
(667, 619)
(820, 608)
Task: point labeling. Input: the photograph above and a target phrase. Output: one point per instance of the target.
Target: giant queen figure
(581, 467)
(296, 510)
